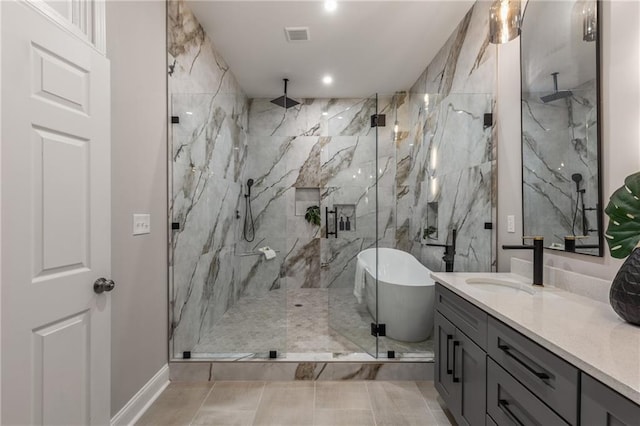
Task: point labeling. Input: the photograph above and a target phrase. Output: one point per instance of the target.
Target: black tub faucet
(449, 251)
(538, 259)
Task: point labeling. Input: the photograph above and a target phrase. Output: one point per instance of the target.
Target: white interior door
(55, 223)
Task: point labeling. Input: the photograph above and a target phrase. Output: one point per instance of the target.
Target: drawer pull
(455, 345)
(504, 405)
(449, 337)
(507, 350)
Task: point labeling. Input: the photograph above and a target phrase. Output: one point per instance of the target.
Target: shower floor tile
(300, 321)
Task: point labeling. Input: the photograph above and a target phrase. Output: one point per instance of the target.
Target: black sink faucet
(538, 253)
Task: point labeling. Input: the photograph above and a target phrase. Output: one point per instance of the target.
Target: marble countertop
(584, 332)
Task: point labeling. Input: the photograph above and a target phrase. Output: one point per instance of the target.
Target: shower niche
(306, 198)
(346, 215)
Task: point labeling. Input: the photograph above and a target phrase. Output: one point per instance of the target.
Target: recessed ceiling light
(327, 79)
(330, 5)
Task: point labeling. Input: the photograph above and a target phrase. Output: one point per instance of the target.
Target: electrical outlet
(141, 224)
(511, 224)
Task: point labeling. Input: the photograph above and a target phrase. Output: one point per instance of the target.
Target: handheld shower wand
(577, 178)
(248, 229)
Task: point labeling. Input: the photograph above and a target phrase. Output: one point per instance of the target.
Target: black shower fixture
(557, 94)
(284, 101)
(577, 178)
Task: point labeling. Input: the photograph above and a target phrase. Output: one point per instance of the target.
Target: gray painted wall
(136, 48)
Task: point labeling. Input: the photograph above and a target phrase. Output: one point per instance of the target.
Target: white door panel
(55, 223)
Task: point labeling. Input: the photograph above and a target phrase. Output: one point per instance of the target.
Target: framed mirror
(561, 154)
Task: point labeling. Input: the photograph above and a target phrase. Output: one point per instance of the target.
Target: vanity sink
(497, 285)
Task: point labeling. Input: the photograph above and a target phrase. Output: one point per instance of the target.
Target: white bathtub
(406, 293)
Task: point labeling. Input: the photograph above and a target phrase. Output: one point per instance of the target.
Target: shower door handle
(335, 222)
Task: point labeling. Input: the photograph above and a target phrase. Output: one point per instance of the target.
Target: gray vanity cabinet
(490, 374)
(601, 406)
(460, 367)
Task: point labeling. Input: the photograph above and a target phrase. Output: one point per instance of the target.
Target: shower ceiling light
(504, 21)
(330, 5)
(327, 80)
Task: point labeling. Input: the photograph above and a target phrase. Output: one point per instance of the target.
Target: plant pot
(624, 295)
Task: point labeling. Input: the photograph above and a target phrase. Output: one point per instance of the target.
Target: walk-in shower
(272, 202)
(230, 301)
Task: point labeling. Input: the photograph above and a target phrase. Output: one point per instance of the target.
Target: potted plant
(623, 235)
(313, 215)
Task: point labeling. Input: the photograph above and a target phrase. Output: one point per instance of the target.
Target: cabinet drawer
(603, 406)
(469, 319)
(509, 403)
(550, 378)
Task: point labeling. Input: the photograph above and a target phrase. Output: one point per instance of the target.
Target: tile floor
(349, 403)
(299, 321)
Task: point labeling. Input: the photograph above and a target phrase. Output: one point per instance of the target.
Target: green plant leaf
(312, 215)
(623, 232)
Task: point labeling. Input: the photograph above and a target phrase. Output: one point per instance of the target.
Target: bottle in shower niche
(342, 223)
(347, 225)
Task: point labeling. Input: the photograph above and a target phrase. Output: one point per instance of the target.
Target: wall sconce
(504, 21)
(589, 20)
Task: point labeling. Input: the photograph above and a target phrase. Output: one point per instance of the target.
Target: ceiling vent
(297, 33)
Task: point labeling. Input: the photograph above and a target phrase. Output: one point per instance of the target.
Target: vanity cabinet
(509, 402)
(602, 406)
(547, 376)
(487, 373)
(460, 368)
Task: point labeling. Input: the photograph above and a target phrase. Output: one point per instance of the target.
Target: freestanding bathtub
(406, 293)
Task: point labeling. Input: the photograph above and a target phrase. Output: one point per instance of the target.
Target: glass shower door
(349, 202)
(226, 300)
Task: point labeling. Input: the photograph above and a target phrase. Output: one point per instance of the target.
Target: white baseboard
(141, 401)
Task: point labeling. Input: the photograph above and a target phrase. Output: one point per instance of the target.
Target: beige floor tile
(399, 403)
(209, 416)
(444, 418)
(234, 396)
(177, 405)
(329, 417)
(427, 388)
(431, 396)
(342, 395)
(286, 403)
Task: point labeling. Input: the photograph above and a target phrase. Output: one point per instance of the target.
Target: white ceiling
(367, 46)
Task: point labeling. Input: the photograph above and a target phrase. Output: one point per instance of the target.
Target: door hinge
(378, 120)
(378, 330)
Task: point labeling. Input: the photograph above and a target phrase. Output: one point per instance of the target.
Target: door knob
(102, 284)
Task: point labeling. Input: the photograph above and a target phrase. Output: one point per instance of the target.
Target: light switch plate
(141, 224)
(511, 224)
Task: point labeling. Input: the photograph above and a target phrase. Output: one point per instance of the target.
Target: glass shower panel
(456, 156)
(226, 298)
(349, 197)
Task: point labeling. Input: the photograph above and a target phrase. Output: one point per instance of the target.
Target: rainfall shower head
(284, 101)
(557, 94)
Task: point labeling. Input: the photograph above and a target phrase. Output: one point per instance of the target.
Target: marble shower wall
(448, 157)
(327, 148)
(208, 156)
(559, 139)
